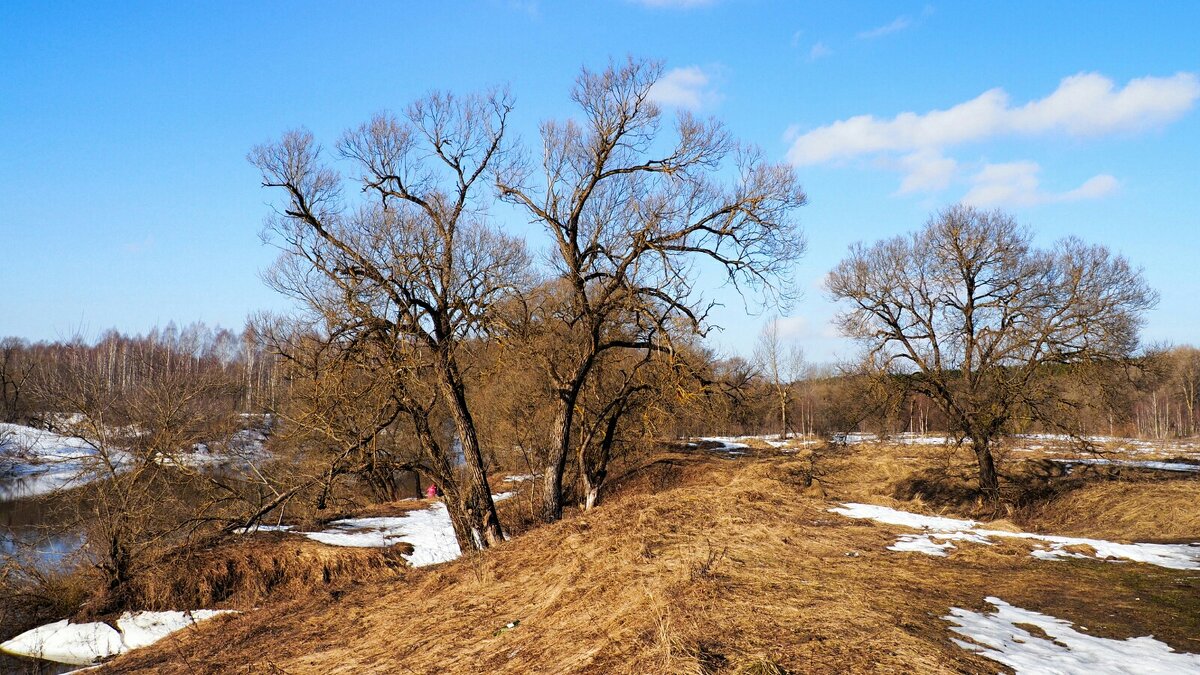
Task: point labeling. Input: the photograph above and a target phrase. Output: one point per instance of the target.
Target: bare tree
(14, 371)
(635, 214)
(141, 489)
(973, 315)
(782, 365)
(417, 263)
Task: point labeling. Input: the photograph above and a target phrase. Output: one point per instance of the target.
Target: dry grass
(699, 564)
(1126, 510)
(243, 573)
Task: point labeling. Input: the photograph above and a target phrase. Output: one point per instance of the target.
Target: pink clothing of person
(431, 492)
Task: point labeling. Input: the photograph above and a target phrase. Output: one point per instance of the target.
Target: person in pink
(431, 492)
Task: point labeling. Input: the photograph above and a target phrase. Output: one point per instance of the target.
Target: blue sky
(127, 201)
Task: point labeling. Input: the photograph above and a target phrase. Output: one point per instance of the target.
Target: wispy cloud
(139, 247)
(819, 51)
(690, 87)
(897, 25)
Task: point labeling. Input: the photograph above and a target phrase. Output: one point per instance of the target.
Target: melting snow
(728, 443)
(262, 528)
(83, 644)
(1001, 637)
(42, 461)
(1140, 464)
(1173, 556)
(428, 530)
(906, 438)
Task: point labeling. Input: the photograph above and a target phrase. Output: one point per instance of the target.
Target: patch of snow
(43, 462)
(83, 644)
(727, 443)
(428, 530)
(77, 644)
(889, 516)
(1001, 637)
(519, 478)
(924, 543)
(263, 528)
(1140, 464)
(920, 543)
(1171, 556)
(145, 628)
(906, 438)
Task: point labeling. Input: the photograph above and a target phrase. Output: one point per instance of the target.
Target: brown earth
(700, 563)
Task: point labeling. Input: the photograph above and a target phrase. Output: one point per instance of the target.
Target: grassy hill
(700, 562)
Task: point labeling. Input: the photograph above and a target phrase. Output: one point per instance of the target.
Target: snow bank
(1001, 637)
(428, 530)
(82, 644)
(42, 461)
(1052, 547)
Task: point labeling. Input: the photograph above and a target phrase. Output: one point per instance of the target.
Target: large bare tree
(636, 210)
(416, 263)
(974, 316)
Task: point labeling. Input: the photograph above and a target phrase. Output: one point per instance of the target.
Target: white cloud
(897, 25)
(819, 51)
(793, 327)
(691, 87)
(1087, 104)
(1016, 184)
(915, 144)
(926, 171)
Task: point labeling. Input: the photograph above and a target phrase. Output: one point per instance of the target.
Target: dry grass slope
(702, 564)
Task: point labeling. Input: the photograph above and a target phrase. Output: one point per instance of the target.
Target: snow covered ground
(36, 462)
(938, 535)
(428, 530)
(1058, 647)
(40, 462)
(83, 644)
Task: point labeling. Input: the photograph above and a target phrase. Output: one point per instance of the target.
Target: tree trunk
(477, 495)
(989, 482)
(591, 492)
(783, 434)
(556, 462)
(595, 472)
(461, 503)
